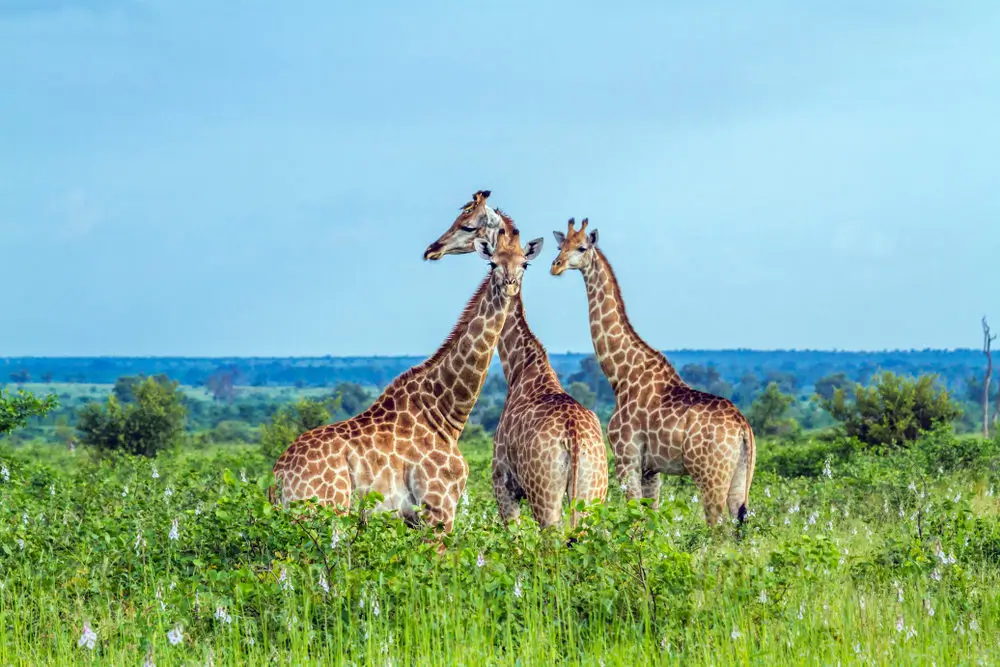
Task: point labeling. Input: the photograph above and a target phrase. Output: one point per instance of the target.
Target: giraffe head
(576, 248)
(476, 220)
(507, 259)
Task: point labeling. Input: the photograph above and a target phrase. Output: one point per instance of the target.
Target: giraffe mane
(463, 323)
(509, 221)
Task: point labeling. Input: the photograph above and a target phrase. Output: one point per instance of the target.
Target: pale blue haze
(261, 178)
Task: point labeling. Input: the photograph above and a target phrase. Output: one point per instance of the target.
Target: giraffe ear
(592, 237)
(483, 248)
(533, 249)
(560, 237)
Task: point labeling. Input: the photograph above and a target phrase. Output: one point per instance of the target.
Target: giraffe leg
(711, 476)
(628, 457)
(651, 483)
(506, 492)
(437, 488)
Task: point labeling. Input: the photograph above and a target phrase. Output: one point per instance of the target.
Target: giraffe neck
(618, 348)
(453, 377)
(522, 355)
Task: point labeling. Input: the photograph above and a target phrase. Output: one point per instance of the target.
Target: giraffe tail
(748, 462)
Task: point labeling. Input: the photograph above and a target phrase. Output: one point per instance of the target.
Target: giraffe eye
(466, 228)
(493, 265)
(582, 248)
(526, 265)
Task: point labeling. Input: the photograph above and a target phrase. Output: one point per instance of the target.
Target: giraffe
(660, 424)
(405, 445)
(546, 444)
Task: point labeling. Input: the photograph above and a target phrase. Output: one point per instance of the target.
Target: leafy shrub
(767, 414)
(293, 420)
(943, 449)
(150, 423)
(16, 410)
(803, 459)
(894, 410)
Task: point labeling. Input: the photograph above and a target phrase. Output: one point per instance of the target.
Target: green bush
(767, 414)
(153, 421)
(16, 410)
(803, 458)
(894, 410)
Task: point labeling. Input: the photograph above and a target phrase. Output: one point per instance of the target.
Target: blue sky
(256, 178)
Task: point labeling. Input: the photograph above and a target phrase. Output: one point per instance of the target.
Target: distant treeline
(955, 367)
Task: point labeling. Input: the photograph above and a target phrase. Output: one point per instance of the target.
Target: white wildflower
(334, 538)
(518, 592)
(623, 486)
(221, 614)
(243, 476)
(929, 607)
(958, 496)
(899, 624)
(973, 625)
(52, 490)
(139, 542)
(912, 487)
(88, 639)
(911, 632)
(20, 543)
(285, 581)
(5, 473)
(735, 634)
(802, 611)
(125, 491)
(480, 561)
(174, 531)
(175, 636)
(694, 499)
(861, 602)
(156, 473)
(763, 596)
(149, 662)
(375, 608)
(936, 575)
(827, 471)
(767, 491)
(168, 492)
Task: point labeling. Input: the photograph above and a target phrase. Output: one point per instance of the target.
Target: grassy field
(181, 561)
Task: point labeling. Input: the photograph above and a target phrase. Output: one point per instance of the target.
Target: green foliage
(821, 574)
(827, 385)
(586, 396)
(291, 421)
(125, 386)
(17, 409)
(808, 457)
(354, 399)
(767, 414)
(152, 421)
(894, 410)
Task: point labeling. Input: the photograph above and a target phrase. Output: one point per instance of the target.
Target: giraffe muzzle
(433, 251)
(557, 268)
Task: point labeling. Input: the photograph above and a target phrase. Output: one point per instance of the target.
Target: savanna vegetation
(135, 528)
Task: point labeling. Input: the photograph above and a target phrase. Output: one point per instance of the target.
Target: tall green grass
(851, 568)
